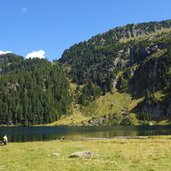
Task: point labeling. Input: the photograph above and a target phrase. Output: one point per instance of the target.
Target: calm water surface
(23, 134)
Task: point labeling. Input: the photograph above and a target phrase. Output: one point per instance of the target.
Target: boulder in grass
(82, 154)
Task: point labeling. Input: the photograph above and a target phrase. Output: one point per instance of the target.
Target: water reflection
(23, 134)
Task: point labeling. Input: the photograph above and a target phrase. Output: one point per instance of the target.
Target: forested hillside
(122, 76)
(32, 91)
(134, 59)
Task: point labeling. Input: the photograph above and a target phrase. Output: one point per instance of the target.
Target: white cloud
(4, 52)
(24, 10)
(36, 54)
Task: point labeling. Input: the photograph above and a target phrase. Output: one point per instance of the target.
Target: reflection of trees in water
(33, 137)
(23, 134)
(154, 130)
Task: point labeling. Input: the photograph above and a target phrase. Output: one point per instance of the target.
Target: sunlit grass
(134, 103)
(159, 95)
(104, 105)
(72, 120)
(118, 154)
(108, 104)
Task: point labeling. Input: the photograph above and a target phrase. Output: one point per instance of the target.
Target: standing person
(5, 140)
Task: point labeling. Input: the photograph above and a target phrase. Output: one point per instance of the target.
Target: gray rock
(82, 154)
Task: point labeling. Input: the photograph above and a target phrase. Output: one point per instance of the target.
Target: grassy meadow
(149, 154)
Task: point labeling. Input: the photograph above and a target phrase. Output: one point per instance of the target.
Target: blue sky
(55, 25)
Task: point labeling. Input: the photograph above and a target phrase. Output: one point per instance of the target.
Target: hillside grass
(158, 54)
(104, 105)
(134, 102)
(162, 122)
(152, 154)
(72, 120)
(108, 104)
(159, 95)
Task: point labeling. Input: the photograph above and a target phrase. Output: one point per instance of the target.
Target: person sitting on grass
(5, 140)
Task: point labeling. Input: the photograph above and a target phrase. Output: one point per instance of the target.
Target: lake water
(24, 134)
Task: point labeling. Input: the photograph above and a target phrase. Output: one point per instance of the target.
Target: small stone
(82, 154)
(56, 154)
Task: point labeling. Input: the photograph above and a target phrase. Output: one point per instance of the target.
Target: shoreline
(117, 138)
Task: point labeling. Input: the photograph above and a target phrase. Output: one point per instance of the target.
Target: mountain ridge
(125, 59)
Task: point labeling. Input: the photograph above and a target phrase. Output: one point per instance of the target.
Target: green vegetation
(133, 59)
(72, 120)
(151, 153)
(108, 104)
(33, 91)
(112, 108)
(114, 78)
(97, 62)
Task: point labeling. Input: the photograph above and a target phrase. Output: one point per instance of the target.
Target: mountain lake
(40, 133)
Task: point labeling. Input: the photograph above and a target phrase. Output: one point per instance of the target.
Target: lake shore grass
(75, 120)
(150, 154)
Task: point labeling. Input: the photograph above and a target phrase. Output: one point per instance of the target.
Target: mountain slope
(135, 59)
(122, 76)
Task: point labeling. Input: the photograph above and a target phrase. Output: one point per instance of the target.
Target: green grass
(159, 96)
(115, 103)
(108, 104)
(71, 120)
(158, 54)
(162, 122)
(134, 103)
(104, 105)
(151, 154)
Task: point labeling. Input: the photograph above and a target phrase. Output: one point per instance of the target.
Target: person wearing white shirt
(5, 140)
